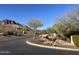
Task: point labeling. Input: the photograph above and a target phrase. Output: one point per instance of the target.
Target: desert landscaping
(36, 35)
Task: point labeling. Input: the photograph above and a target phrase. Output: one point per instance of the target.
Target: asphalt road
(17, 46)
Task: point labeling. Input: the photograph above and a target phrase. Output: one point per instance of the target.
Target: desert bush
(8, 33)
(2, 30)
(18, 33)
(76, 40)
(50, 30)
(68, 23)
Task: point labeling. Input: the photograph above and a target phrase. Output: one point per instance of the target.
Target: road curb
(50, 47)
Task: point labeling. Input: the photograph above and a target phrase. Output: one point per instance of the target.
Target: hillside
(7, 24)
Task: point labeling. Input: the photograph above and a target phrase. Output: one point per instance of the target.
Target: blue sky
(47, 13)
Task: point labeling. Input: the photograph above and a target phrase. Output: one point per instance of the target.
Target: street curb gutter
(50, 47)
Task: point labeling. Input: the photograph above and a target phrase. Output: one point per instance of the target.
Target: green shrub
(18, 33)
(2, 30)
(8, 33)
(76, 40)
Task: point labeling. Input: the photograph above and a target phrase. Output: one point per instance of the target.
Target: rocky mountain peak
(8, 21)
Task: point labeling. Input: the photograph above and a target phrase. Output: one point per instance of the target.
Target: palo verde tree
(69, 23)
(34, 24)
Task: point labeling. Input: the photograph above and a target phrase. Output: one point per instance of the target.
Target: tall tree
(34, 24)
(68, 23)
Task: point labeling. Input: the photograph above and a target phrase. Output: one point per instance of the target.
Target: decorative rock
(45, 37)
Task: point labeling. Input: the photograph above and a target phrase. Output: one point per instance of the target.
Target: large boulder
(43, 37)
(47, 38)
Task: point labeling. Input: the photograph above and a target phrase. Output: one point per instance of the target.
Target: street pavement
(16, 45)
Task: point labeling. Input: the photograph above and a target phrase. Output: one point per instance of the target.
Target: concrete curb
(50, 47)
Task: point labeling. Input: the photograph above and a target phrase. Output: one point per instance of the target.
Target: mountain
(7, 21)
(11, 24)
